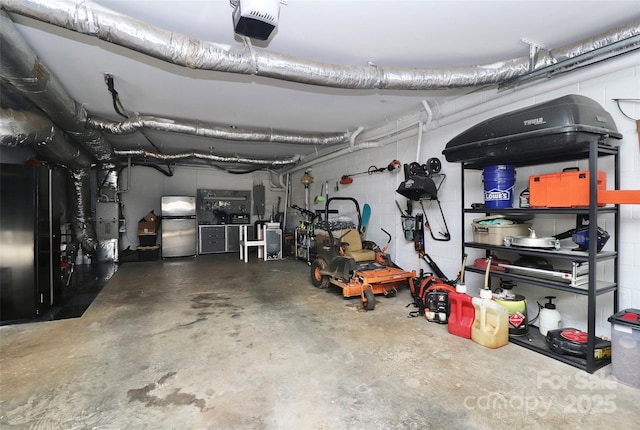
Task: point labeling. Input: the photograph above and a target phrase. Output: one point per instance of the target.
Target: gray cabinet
(233, 238)
(220, 238)
(212, 238)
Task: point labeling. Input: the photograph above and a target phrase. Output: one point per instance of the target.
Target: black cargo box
(556, 130)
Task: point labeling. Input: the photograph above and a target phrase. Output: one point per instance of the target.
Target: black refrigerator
(32, 200)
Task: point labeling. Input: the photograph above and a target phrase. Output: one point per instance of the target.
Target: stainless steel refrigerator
(178, 226)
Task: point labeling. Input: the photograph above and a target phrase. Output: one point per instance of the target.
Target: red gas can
(461, 313)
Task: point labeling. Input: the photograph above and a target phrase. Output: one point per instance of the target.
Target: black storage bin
(148, 253)
(546, 132)
(148, 239)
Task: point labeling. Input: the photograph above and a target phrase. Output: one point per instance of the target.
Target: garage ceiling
(421, 34)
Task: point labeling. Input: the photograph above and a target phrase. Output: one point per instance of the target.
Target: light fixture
(307, 179)
(255, 18)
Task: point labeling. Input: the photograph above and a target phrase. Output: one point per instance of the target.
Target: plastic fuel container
(491, 324)
(461, 312)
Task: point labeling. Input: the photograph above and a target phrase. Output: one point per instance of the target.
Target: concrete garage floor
(214, 343)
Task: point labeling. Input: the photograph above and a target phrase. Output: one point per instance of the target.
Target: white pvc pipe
(411, 120)
(306, 197)
(421, 128)
(419, 145)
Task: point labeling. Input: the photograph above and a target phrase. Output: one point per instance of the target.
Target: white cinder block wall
(147, 185)
(614, 79)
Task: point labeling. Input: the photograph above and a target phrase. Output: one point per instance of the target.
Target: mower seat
(352, 244)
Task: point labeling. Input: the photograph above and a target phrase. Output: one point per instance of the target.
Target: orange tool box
(564, 189)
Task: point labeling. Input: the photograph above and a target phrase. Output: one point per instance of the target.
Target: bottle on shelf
(524, 198)
(550, 318)
(491, 323)
(461, 312)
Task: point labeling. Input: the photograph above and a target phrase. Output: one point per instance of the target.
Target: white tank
(550, 318)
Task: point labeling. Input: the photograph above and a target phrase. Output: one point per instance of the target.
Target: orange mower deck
(380, 281)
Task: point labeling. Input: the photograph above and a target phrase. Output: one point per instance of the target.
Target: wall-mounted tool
(324, 193)
(419, 185)
(418, 235)
(346, 180)
(366, 215)
(393, 166)
(408, 223)
(432, 167)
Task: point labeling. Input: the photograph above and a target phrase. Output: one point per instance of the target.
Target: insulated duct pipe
(95, 20)
(82, 223)
(30, 128)
(195, 128)
(21, 68)
(204, 156)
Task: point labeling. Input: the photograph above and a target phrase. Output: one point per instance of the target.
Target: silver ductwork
(82, 223)
(30, 128)
(603, 40)
(107, 214)
(138, 123)
(204, 156)
(21, 68)
(98, 21)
